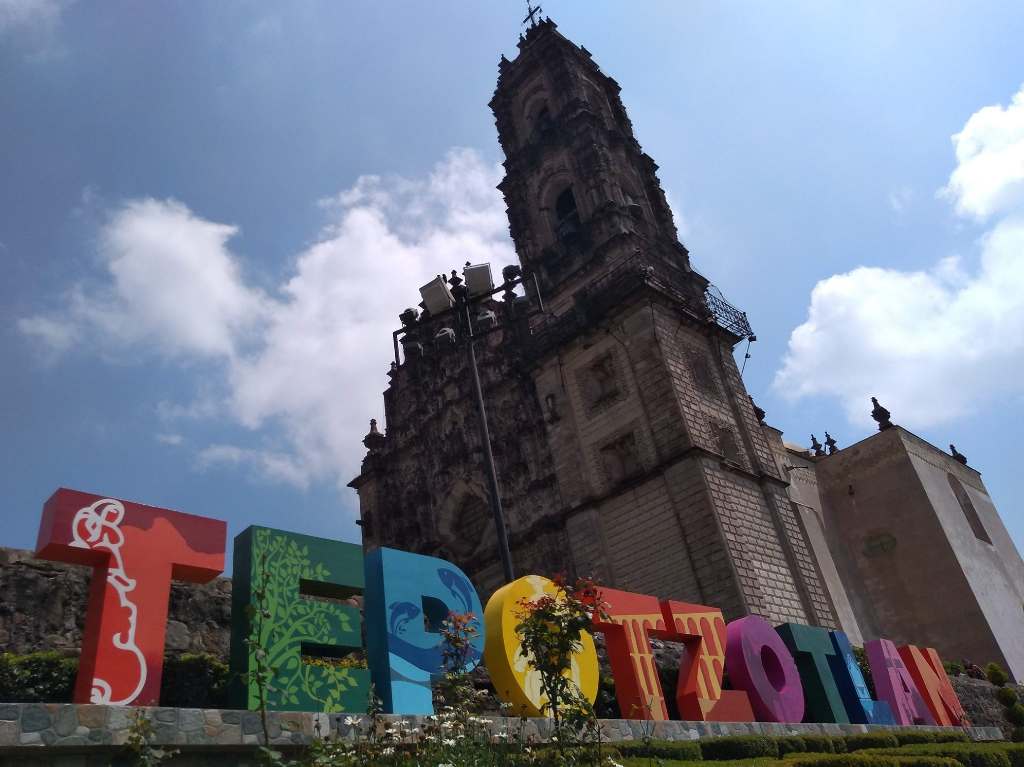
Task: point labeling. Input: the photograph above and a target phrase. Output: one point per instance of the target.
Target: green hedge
(967, 754)
(913, 737)
(862, 759)
(739, 747)
(194, 680)
(684, 750)
(39, 677)
(871, 740)
(189, 680)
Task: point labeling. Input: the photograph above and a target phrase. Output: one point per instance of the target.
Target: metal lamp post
(462, 302)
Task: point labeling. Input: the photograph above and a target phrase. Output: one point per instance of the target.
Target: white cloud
(170, 283)
(23, 14)
(310, 359)
(266, 464)
(936, 344)
(989, 178)
(170, 439)
(55, 335)
(900, 199)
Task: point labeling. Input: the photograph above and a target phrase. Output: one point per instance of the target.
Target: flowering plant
(550, 630)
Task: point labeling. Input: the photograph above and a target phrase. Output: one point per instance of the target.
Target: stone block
(9, 712)
(191, 719)
(118, 718)
(231, 717)
(31, 739)
(72, 740)
(66, 721)
(213, 718)
(166, 715)
(101, 737)
(35, 718)
(198, 737)
(93, 716)
(251, 723)
(230, 734)
(8, 733)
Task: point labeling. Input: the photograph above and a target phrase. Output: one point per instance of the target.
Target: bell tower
(625, 443)
(580, 191)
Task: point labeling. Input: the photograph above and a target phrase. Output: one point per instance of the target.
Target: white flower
(449, 741)
(353, 721)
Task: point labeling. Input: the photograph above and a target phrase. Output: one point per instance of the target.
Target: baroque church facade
(626, 445)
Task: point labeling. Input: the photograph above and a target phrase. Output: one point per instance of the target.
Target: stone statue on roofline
(881, 415)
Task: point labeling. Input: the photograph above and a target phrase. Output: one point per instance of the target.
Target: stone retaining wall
(69, 735)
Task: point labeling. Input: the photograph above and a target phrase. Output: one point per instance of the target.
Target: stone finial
(816, 446)
(957, 455)
(759, 412)
(408, 317)
(374, 440)
(830, 443)
(881, 415)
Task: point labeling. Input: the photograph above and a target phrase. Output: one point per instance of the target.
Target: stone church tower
(626, 444)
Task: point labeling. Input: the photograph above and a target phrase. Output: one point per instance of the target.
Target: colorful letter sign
(857, 700)
(699, 693)
(515, 680)
(894, 684)
(631, 617)
(408, 596)
(812, 648)
(930, 678)
(134, 551)
(285, 603)
(296, 631)
(760, 663)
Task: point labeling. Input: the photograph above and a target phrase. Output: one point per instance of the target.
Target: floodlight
(478, 279)
(436, 296)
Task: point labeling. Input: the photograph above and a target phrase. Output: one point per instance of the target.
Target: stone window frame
(630, 432)
(970, 513)
(709, 384)
(727, 444)
(606, 399)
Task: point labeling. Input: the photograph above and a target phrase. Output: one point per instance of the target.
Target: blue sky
(211, 214)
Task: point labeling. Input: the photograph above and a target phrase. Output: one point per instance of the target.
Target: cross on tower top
(533, 12)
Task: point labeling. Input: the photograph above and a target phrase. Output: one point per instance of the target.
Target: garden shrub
(1015, 714)
(38, 677)
(1017, 736)
(951, 736)
(683, 750)
(995, 674)
(194, 680)
(871, 740)
(967, 754)
(1015, 753)
(844, 760)
(952, 667)
(791, 744)
(926, 760)
(739, 747)
(913, 737)
(819, 744)
(1007, 696)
